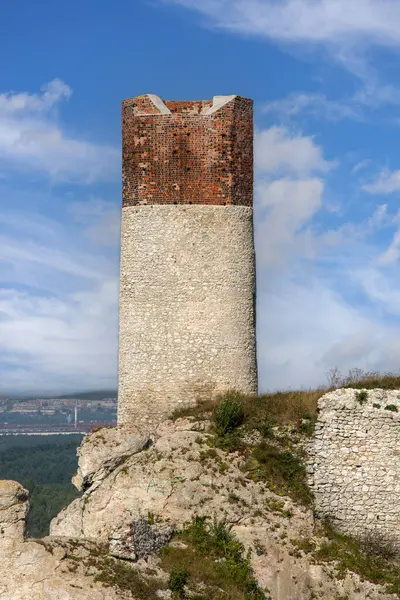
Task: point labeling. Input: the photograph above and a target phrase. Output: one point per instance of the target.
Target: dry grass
(370, 381)
(203, 409)
(291, 406)
(281, 408)
(359, 379)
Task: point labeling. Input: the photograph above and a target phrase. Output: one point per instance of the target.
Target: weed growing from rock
(362, 396)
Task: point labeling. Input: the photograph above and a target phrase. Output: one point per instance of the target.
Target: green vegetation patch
(284, 472)
(392, 407)
(362, 396)
(208, 564)
(234, 413)
(375, 559)
(229, 412)
(177, 581)
(213, 560)
(116, 573)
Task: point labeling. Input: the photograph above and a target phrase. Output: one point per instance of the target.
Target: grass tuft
(229, 412)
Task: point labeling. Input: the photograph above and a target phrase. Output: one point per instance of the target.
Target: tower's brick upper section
(187, 152)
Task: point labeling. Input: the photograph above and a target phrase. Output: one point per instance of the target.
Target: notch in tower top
(218, 102)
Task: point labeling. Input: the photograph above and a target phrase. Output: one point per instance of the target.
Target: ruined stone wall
(187, 291)
(355, 463)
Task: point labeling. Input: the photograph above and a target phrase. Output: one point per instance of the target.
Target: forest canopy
(44, 465)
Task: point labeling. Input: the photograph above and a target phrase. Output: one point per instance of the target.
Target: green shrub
(114, 573)
(230, 442)
(307, 425)
(392, 407)
(229, 412)
(266, 427)
(362, 396)
(178, 578)
(376, 405)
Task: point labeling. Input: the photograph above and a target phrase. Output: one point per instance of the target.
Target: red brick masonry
(173, 152)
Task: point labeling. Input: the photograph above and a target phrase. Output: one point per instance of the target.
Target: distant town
(74, 413)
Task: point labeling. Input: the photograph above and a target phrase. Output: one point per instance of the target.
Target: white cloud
(32, 139)
(306, 328)
(58, 307)
(362, 164)
(345, 30)
(386, 183)
(277, 151)
(290, 206)
(52, 93)
(315, 105)
(392, 254)
(322, 297)
(287, 193)
(65, 343)
(332, 22)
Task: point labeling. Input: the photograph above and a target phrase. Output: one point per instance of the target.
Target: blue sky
(324, 77)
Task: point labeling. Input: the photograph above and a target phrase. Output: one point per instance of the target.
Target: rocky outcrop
(177, 477)
(39, 569)
(103, 451)
(14, 508)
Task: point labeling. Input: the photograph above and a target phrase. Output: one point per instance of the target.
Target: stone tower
(187, 291)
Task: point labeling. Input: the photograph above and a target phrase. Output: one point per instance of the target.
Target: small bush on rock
(362, 396)
(307, 425)
(178, 578)
(392, 407)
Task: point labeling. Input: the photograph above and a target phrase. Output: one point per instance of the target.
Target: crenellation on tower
(187, 310)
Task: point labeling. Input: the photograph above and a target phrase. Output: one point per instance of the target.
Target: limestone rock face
(37, 569)
(177, 477)
(102, 451)
(14, 508)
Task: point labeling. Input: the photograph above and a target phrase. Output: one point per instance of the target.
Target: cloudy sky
(324, 77)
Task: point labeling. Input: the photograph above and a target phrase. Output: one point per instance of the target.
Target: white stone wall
(355, 465)
(187, 307)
